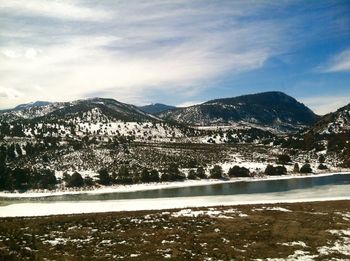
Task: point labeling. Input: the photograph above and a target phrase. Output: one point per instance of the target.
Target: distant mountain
(89, 108)
(30, 105)
(273, 109)
(16, 112)
(156, 108)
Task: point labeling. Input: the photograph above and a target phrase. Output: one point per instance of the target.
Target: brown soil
(219, 233)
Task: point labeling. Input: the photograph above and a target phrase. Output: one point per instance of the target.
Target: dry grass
(220, 233)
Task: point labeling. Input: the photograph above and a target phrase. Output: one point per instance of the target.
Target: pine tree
(216, 172)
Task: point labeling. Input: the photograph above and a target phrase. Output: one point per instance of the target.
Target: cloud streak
(54, 9)
(339, 63)
(134, 50)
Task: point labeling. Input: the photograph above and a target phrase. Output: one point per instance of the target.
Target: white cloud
(31, 53)
(83, 66)
(52, 8)
(339, 63)
(10, 53)
(136, 48)
(322, 105)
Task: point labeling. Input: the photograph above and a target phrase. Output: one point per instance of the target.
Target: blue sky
(175, 52)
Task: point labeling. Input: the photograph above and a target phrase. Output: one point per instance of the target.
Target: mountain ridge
(274, 110)
(110, 107)
(267, 108)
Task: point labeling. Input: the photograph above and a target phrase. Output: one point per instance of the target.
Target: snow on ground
(272, 209)
(252, 166)
(211, 213)
(278, 209)
(291, 244)
(342, 245)
(83, 173)
(324, 193)
(93, 122)
(298, 255)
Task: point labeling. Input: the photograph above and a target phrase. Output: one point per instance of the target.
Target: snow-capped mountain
(96, 117)
(156, 108)
(108, 108)
(273, 109)
(24, 106)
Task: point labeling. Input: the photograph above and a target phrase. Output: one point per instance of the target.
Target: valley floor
(298, 231)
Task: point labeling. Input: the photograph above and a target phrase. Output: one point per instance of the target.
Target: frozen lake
(317, 188)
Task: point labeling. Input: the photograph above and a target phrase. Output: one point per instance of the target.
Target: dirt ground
(298, 231)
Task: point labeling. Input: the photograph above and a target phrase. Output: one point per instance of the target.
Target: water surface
(222, 189)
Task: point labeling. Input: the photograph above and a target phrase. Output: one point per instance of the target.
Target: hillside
(93, 135)
(330, 135)
(334, 123)
(273, 109)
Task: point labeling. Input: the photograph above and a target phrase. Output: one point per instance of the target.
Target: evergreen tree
(322, 166)
(237, 171)
(200, 173)
(275, 171)
(321, 159)
(17, 130)
(5, 129)
(283, 159)
(172, 173)
(47, 179)
(20, 178)
(76, 180)
(145, 175)
(216, 172)
(18, 150)
(11, 152)
(296, 168)
(192, 175)
(104, 177)
(124, 175)
(154, 175)
(306, 168)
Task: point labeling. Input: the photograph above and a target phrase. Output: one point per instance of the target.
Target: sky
(176, 52)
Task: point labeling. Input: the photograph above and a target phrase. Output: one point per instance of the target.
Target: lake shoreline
(21, 207)
(154, 186)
